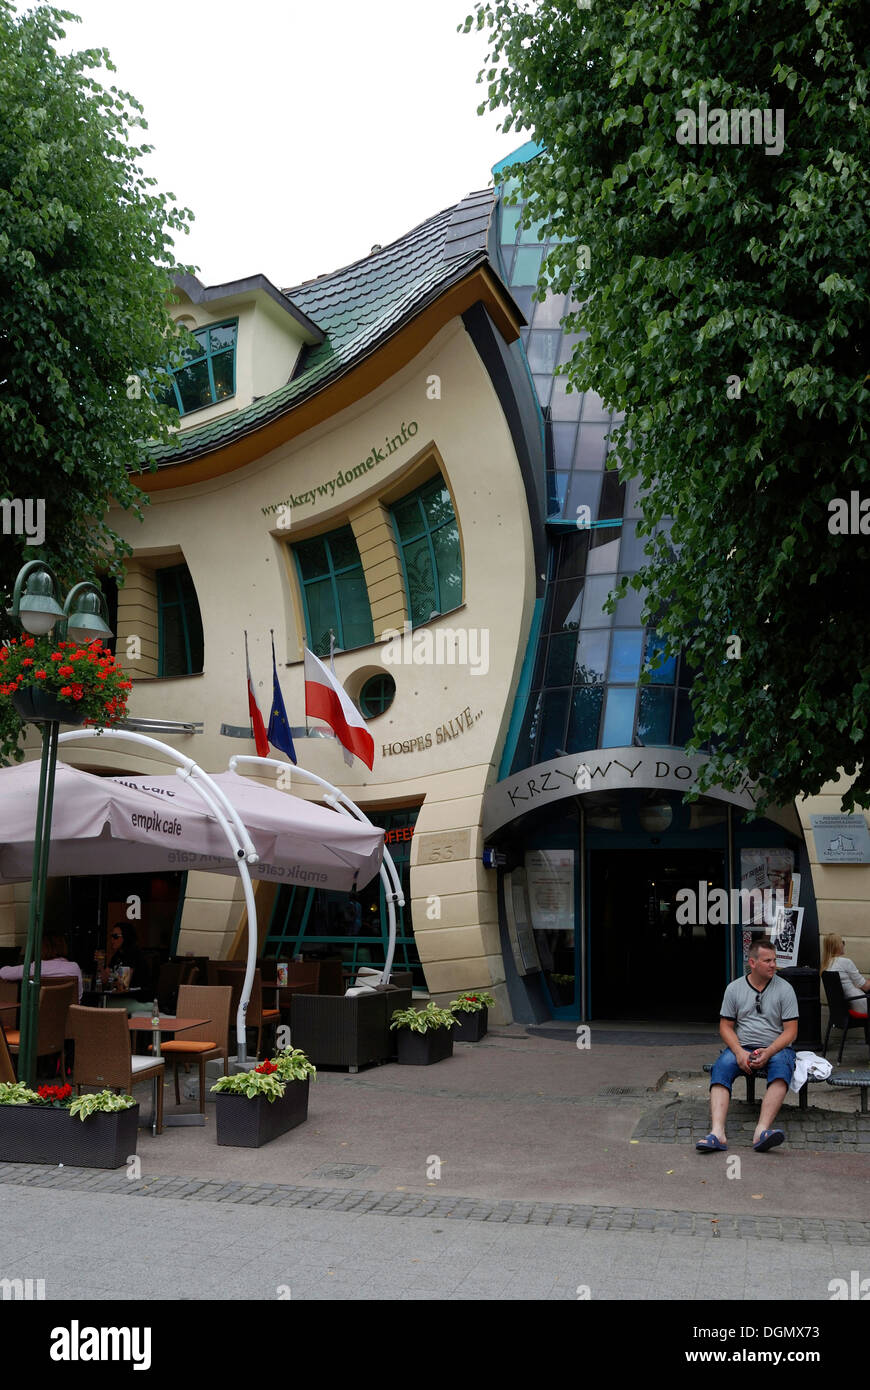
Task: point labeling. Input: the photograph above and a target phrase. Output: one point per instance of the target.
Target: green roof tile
(357, 307)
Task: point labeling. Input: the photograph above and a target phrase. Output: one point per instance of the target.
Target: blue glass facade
(583, 690)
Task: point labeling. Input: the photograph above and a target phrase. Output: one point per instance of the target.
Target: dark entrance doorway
(643, 962)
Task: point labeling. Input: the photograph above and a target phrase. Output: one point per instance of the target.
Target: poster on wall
(787, 935)
(770, 872)
(550, 884)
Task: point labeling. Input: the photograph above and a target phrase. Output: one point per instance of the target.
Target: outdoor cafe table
(141, 1023)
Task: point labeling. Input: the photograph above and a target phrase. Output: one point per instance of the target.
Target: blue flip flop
(769, 1140)
(711, 1145)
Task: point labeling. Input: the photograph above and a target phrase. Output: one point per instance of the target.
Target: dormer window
(207, 373)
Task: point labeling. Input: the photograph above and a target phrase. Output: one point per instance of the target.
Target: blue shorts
(779, 1068)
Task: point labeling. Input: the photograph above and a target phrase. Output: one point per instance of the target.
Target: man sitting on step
(758, 1024)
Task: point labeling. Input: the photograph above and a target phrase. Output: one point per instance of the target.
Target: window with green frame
(428, 535)
(377, 695)
(207, 371)
(334, 592)
(179, 625)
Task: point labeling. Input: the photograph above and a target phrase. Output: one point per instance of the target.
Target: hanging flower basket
(37, 706)
(42, 680)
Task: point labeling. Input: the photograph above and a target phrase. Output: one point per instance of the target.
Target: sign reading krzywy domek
(328, 488)
(601, 769)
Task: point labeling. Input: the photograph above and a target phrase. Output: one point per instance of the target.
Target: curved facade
(385, 462)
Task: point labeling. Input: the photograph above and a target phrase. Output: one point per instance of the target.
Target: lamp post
(83, 618)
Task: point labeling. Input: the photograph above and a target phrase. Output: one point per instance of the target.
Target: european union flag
(279, 730)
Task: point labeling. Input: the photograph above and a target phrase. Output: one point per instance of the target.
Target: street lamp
(83, 617)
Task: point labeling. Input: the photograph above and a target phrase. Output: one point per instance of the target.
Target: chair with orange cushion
(208, 1040)
(232, 975)
(54, 1005)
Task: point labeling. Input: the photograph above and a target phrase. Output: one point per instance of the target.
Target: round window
(377, 695)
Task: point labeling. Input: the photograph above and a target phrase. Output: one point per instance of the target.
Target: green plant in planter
(293, 1065)
(270, 1078)
(421, 1020)
(262, 1081)
(61, 1098)
(16, 1093)
(472, 1003)
(100, 1102)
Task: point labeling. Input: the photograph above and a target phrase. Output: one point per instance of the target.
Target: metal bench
(855, 1076)
(803, 1093)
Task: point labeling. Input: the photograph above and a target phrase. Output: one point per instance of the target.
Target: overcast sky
(301, 133)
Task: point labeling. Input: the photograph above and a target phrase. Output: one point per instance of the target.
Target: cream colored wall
(137, 616)
(238, 560)
(842, 891)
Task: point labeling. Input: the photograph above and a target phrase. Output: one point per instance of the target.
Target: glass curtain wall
(584, 691)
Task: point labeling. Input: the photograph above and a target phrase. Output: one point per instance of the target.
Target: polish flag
(326, 699)
(261, 740)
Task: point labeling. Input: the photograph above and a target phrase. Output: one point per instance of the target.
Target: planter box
(40, 1134)
(422, 1049)
(245, 1122)
(471, 1027)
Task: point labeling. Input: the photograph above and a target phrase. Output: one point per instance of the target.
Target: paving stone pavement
(709, 1224)
(812, 1130)
(182, 1248)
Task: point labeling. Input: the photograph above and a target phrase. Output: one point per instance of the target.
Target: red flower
(77, 692)
(54, 1092)
(64, 670)
(40, 675)
(56, 656)
(66, 690)
(28, 661)
(266, 1068)
(29, 642)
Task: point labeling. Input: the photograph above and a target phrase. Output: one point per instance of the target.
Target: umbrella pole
(30, 986)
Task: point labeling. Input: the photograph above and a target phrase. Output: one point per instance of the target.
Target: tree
(724, 284)
(85, 274)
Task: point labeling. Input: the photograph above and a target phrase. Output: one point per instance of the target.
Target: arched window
(428, 537)
(179, 625)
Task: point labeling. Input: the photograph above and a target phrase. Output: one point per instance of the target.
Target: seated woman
(124, 950)
(54, 962)
(855, 987)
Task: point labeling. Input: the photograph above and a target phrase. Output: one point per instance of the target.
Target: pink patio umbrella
(109, 825)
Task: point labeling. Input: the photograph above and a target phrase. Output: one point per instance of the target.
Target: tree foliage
(725, 304)
(85, 266)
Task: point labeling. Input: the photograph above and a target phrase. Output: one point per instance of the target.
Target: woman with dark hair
(124, 951)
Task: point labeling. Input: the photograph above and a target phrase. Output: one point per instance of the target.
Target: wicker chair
(840, 1015)
(103, 1057)
(257, 1017)
(207, 1040)
(54, 1005)
(333, 1030)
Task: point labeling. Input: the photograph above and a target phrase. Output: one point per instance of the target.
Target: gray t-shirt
(754, 1028)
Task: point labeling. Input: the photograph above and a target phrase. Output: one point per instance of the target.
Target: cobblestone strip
(812, 1130)
(562, 1214)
